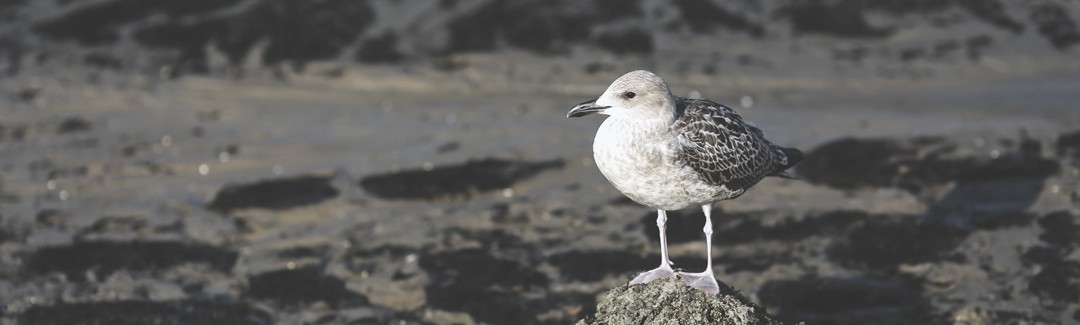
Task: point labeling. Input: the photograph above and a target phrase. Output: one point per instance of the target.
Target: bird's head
(637, 94)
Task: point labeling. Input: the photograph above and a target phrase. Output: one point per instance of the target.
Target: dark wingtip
(785, 174)
(794, 156)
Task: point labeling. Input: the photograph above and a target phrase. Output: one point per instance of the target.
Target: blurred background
(409, 162)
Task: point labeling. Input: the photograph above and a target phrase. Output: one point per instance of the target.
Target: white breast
(639, 162)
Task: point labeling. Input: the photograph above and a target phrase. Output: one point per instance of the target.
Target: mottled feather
(723, 149)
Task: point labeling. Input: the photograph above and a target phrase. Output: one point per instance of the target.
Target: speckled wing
(716, 143)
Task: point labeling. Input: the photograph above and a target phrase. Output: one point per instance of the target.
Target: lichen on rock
(670, 301)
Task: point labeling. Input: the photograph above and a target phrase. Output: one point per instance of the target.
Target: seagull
(668, 153)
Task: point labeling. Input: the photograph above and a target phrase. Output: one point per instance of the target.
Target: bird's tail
(792, 157)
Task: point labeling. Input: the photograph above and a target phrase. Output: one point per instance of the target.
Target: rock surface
(670, 301)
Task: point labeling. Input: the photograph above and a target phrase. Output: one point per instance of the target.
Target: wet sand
(300, 201)
(452, 189)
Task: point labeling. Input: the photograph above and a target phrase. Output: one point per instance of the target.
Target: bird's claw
(657, 273)
(704, 281)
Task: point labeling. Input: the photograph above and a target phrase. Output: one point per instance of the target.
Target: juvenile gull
(669, 153)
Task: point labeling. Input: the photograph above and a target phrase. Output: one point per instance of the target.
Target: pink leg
(704, 281)
(664, 270)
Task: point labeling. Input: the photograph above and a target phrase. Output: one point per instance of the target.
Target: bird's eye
(629, 94)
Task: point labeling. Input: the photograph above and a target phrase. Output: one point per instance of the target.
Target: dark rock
(395, 251)
(990, 204)
(1013, 317)
(489, 289)
(848, 18)
(9, 9)
(476, 30)
(882, 243)
(855, 163)
(911, 54)
(103, 258)
(73, 125)
(619, 8)
(49, 218)
(539, 26)
(116, 224)
(386, 259)
(1054, 23)
(704, 16)
(750, 227)
(157, 168)
(599, 66)
(302, 252)
(460, 180)
(500, 214)
(74, 171)
(380, 49)
(1060, 228)
(301, 286)
(671, 301)
(104, 61)
(304, 30)
(1043, 255)
(275, 194)
(7, 234)
(1007, 219)
(1009, 165)
(912, 164)
(496, 240)
(296, 31)
(1057, 282)
(99, 24)
(146, 312)
(832, 20)
(478, 268)
(27, 95)
(750, 263)
(991, 12)
(630, 41)
(1068, 144)
(595, 265)
(483, 304)
(902, 7)
(190, 40)
(859, 300)
(448, 147)
(976, 45)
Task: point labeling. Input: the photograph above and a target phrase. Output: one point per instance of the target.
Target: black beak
(585, 108)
